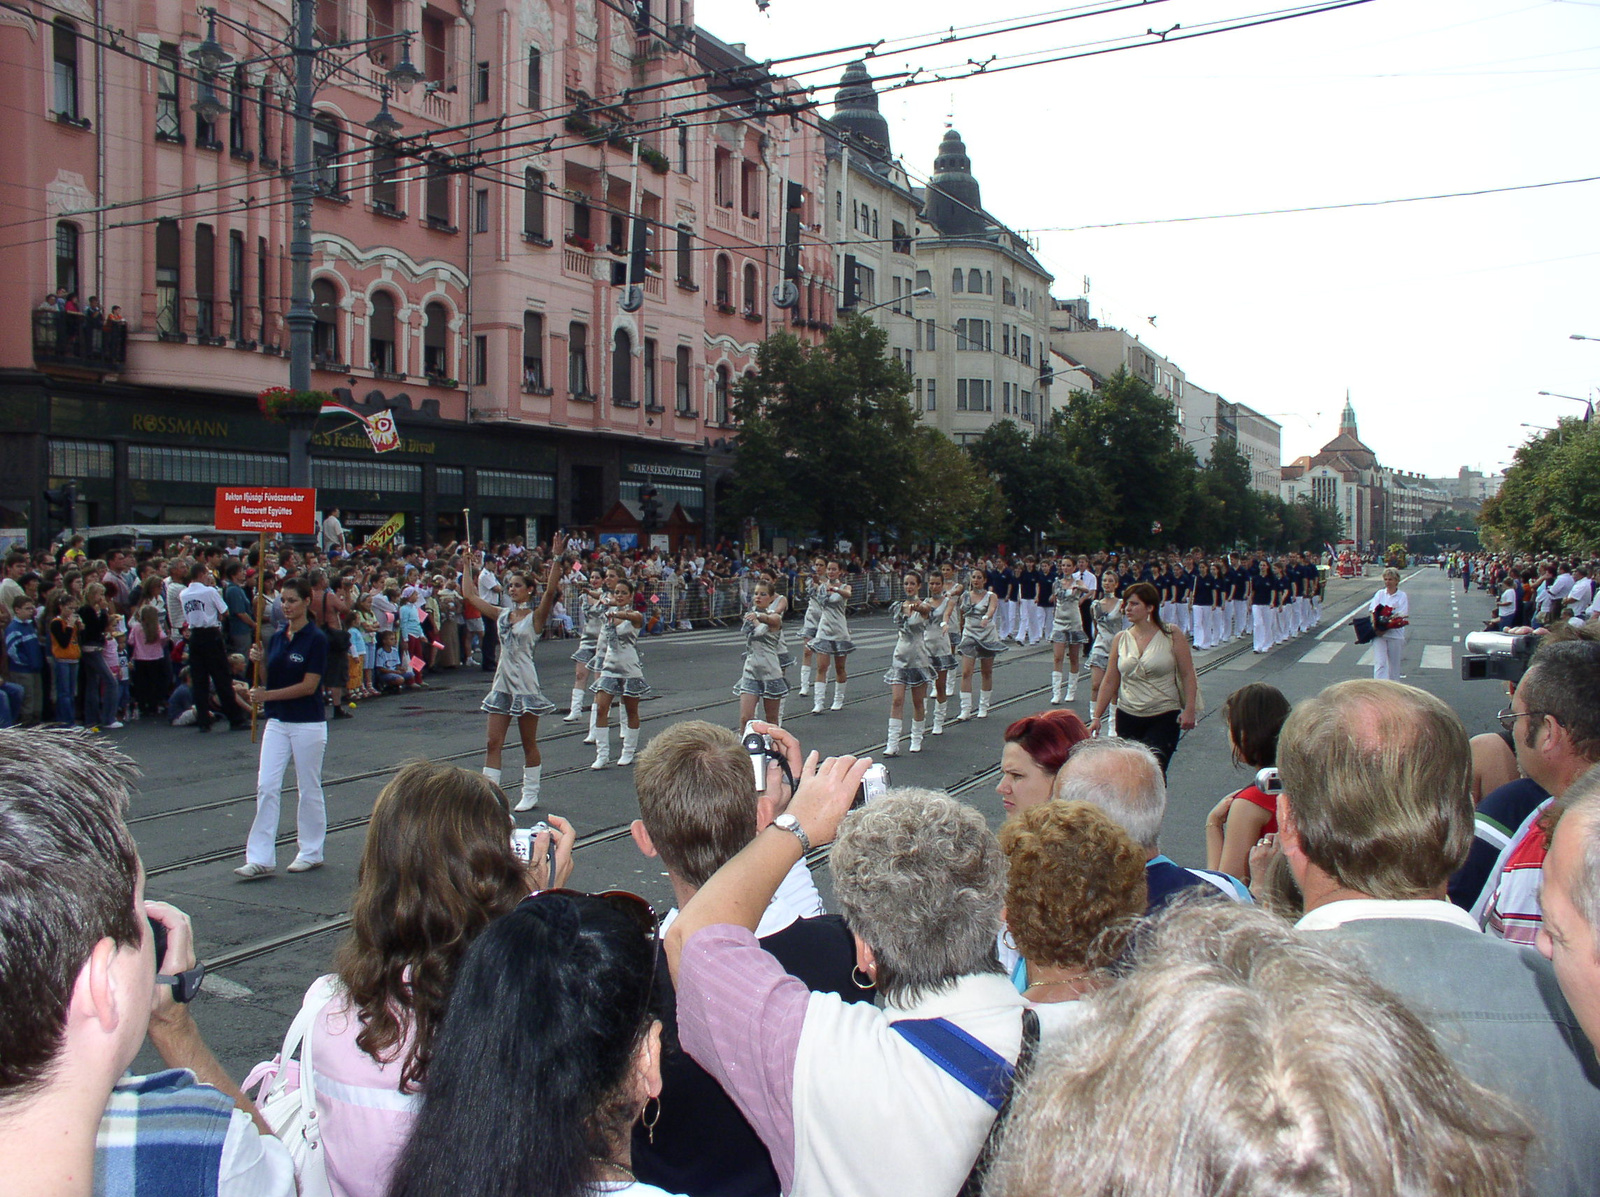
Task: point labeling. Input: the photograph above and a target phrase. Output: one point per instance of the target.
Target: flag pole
(261, 573)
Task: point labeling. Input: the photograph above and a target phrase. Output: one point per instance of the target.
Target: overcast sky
(1444, 319)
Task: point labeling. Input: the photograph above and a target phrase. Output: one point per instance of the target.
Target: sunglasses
(631, 906)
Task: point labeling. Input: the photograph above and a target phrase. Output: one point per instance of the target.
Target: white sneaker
(113, 725)
(301, 865)
(253, 872)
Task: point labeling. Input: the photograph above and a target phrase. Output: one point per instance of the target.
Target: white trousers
(1008, 617)
(1036, 620)
(1261, 614)
(304, 742)
(1386, 651)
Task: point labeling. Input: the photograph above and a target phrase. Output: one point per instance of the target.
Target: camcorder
(1498, 656)
(874, 782)
(185, 985)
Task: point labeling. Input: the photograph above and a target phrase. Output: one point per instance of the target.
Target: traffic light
(62, 507)
(649, 508)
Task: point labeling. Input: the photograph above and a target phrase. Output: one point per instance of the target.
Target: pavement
(265, 941)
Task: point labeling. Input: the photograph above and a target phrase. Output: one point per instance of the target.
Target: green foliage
(951, 500)
(826, 434)
(1047, 491)
(1549, 502)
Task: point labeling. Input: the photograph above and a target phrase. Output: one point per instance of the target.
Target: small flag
(380, 429)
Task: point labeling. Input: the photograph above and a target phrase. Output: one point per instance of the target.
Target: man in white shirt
(203, 612)
(1581, 596)
(492, 592)
(1560, 589)
(80, 987)
(332, 532)
(1375, 814)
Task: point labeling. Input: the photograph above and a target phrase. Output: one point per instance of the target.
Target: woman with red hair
(1036, 748)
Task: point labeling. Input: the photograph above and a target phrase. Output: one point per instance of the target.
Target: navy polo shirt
(1261, 590)
(289, 660)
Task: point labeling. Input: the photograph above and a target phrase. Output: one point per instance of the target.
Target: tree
(949, 499)
(1223, 509)
(825, 434)
(1126, 437)
(1047, 490)
(1548, 502)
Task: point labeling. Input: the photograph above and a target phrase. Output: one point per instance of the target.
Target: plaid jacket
(161, 1136)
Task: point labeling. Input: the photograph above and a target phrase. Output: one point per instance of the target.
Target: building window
(752, 290)
(532, 351)
(205, 132)
(82, 459)
(381, 334)
(533, 204)
(385, 177)
(327, 23)
(724, 287)
(750, 189)
(682, 380)
(582, 220)
(901, 242)
(1027, 350)
(724, 387)
(866, 285)
(722, 164)
(622, 369)
(480, 210)
(263, 273)
(237, 140)
(325, 337)
(924, 281)
(683, 149)
(437, 197)
(436, 340)
(325, 150)
(264, 124)
(480, 84)
(168, 127)
(169, 253)
(974, 394)
(66, 69)
(1027, 405)
(578, 360)
(652, 397)
(480, 361)
(919, 394)
(535, 77)
(988, 282)
(380, 24)
(435, 29)
(236, 285)
(957, 281)
(931, 327)
(67, 239)
(875, 224)
(685, 255)
(205, 280)
(975, 281)
(933, 394)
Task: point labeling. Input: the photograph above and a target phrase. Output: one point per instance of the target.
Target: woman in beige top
(1150, 677)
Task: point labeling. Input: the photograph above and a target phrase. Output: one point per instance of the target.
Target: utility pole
(302, 321)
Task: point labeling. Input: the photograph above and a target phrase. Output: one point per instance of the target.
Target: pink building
(468, 272)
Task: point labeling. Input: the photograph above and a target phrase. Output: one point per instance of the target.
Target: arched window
(436, 340)
(724, 287)
(381, 334)
(325, 307)
(532, 351)
(721, 409)
(325, 150)
(752, 290)
(66, 68)
(975, 281)
(958, 281)
(622, 369)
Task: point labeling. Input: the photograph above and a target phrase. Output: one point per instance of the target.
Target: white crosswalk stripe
(1323, 653)
(1437, 656)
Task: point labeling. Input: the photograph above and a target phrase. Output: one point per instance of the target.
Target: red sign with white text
(258, 509)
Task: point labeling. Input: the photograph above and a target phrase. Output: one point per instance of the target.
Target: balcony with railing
(69, 339)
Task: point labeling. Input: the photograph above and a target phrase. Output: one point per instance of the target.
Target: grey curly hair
(921, 879)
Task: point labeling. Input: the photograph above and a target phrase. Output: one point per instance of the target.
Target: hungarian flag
(380, 429)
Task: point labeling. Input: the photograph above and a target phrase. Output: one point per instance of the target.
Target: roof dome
(856, 111)
(955, 204)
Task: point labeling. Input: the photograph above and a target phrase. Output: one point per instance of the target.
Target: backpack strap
(975, 1064)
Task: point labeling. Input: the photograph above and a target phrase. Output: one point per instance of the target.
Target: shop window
(436, 340)
(381, 347)
(325, 336)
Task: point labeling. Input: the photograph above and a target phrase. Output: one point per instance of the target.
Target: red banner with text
(257, 509)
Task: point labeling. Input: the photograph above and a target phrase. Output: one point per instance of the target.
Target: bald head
(1378, 781)
(1122, 778)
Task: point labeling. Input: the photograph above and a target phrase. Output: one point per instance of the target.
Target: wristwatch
(789, 823)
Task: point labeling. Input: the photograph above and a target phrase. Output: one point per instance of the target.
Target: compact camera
(761, 750)
(1268, 781)
(522, 847)
(874, 784)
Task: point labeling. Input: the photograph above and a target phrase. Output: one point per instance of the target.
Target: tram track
(814, 860)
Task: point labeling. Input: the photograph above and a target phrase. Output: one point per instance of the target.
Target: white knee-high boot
(966, 707)
(602, 747)
(838, 697)
(805, 680)
(594, 724)
(891, 743)
(1055, 685)
(819, 697)
(492, 774)
(938, 717)
(1072, 688)
(983, 704)
(531, 776)
(630, 742)
(916, 733)
(575, 713)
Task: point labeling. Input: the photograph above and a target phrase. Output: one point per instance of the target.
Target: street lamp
(896, 299)
(1581, 337)
(1559, 395)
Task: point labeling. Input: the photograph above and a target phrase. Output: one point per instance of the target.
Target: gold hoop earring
(870, 983)
(651, 1117)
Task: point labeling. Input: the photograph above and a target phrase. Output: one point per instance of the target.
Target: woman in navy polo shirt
(296, 657)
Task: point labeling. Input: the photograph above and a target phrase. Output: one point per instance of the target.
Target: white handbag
(291, 1110)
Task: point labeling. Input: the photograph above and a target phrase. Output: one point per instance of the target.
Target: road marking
(1456, 640)
(1323, 653)
(1437, 656)
(1366, 658)
(1242, 662)
(221, 987)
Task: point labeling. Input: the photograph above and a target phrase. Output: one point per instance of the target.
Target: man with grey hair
(79, 986)
(1124, 779)
(1569, 936)
(1376, 813)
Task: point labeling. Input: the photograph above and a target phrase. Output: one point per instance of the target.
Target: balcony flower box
(277, 403)
(727, 309)
(584, 243)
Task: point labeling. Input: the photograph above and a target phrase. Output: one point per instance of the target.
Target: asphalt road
(265, 941)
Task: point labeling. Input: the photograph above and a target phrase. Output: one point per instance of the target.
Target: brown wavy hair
(1075, 884)
(437, 868)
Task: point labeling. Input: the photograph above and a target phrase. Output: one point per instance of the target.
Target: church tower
(1347, 420)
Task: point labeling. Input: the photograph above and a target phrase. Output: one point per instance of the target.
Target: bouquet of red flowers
(1384, 618)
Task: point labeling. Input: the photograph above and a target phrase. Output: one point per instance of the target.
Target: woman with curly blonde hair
(1075, 886)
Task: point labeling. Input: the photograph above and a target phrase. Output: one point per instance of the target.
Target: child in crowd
(64, 650)
(389, 672)
(367, 623)
(25, 654)
(147, 650)
(180, 703)
(117, 661)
